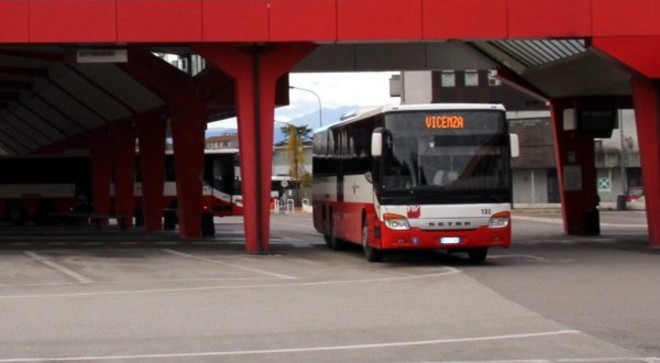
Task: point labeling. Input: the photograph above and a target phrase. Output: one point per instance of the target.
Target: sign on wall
(572, 178)
(604, 184)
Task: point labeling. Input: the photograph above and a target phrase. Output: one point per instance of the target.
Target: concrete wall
(530, 187)
(281, 160)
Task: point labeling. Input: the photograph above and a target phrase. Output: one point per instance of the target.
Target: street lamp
(317, 98)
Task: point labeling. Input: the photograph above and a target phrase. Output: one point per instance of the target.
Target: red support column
(123, 139)
(576, 173)
(188, 125)
(646, 96)
(186, 100)
(151, 135)
(101, 171)
(256, 70)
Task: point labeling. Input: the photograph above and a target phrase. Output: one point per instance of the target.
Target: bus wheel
(170, 216)
(169, 220)
(478, 255)
(208, 226)
(372, 254)
(139, 218)
(45, 213)
(335, 243)
(16, 214)
(327, 237)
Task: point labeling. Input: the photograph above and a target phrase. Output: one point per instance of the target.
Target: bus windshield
(446, 157)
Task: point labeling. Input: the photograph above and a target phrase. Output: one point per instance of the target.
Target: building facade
(226, 141)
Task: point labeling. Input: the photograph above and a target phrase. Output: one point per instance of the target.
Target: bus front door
(219, 176)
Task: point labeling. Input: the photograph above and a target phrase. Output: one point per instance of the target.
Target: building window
(448, 79)
(471, 78)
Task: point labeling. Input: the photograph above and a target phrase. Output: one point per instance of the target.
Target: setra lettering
(445, 122)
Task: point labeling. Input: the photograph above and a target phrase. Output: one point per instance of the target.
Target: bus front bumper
(446, 239)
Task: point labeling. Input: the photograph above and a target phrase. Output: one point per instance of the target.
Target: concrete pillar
(123, 146)
(576, 171)
(646, 97)
(189, 115)
(186, 99)
(151, 129)
(256, 70)
(101, 171)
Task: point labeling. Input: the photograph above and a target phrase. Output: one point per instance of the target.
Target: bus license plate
(450, 240)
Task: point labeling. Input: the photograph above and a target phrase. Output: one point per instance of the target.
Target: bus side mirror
(377, 143)
(369, 176)
(376, 156)
(515, 145)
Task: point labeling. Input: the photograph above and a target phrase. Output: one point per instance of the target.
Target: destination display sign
(445, 122)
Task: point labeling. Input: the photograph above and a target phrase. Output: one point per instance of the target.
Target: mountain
(330, 115)
(220, 131)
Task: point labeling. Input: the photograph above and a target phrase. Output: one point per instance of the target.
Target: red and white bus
(432, 176)
(37, 188)
(221, 187)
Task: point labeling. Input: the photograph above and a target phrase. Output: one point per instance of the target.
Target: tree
(296, 138)
(303, 132)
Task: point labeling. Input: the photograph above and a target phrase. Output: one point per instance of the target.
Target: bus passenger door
(219, 177)
(339, 210)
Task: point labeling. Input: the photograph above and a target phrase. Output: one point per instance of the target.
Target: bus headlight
(396, 222)
(499, 220)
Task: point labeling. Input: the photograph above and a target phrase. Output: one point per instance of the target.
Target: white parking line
(250, 269)
(127, 282)
(286, 239)
(630, 233)
(616, 225)
(538, 219)
(563, 360)
(63, 269)
(560, 221)
(330, 348)
(520, 256)
(447, 272)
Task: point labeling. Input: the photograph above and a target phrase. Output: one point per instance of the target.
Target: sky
(334, 90)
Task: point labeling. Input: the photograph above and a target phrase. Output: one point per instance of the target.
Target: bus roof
(413, 107)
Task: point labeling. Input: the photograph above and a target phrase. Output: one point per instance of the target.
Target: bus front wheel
(372, 254)
(478, 255)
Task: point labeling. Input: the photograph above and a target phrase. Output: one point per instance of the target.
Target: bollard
(621, 202)
(290, 203)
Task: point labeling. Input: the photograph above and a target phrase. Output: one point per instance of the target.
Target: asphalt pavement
(81, 295)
